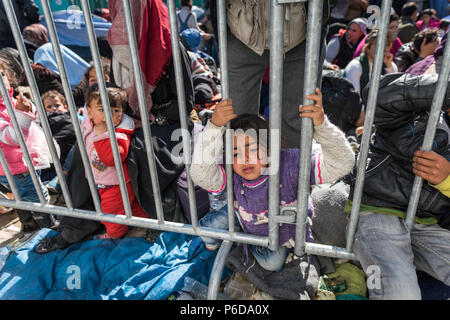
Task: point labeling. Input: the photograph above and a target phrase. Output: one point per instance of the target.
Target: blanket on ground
(131, 268)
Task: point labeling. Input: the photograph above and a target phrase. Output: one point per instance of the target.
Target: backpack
(167, 170)
(341, 102)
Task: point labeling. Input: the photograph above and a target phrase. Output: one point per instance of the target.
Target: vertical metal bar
(430, 132)
(225, 87)
(312, 52)
(106, 106)
(176, 54)
(217, 269)
(275, 101)
(142, 107)
(368, 122)
(70, 101)
(21, 140)
(9, 176)
(40, 108)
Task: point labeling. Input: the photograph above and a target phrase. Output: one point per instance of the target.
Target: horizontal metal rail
(276, 61)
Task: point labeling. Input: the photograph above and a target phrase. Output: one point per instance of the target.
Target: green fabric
(355, 279)
(350, 297)
(389, 211)
(364, 80)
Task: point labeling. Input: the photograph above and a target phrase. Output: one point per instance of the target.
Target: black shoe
(27, 221)
(47, 245)
(30, 227)
(44, 220)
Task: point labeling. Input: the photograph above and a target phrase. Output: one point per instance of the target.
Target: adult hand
(317, 114)
(431, 166)
(223, 112)
(23, 104)
(206, 36)
(388, 58)
(333, 67)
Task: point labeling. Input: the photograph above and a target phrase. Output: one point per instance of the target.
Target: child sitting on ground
(251, 167)
(98, 145)
(26, 113)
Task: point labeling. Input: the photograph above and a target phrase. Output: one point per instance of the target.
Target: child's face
(93, 77)
(53, 104)
(246, 162)
(97, 115)
(5, 80)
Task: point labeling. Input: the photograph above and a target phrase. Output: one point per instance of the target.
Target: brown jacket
(249, 21)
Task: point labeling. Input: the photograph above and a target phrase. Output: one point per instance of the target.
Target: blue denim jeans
(26, 188)
(28, 193)
(267, 259)
(389, 252)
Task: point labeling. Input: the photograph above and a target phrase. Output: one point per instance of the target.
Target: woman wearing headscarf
(34, 36)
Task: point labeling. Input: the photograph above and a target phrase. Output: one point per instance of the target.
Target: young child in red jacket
(98, 145)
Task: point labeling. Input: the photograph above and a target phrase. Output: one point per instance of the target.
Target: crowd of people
(412, 60)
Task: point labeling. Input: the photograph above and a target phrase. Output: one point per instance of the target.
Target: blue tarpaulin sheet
(127, 269)
(71, 27)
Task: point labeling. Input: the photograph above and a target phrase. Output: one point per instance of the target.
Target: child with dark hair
(61, 126)
(251, 167)
(96, 137)
(89, 78)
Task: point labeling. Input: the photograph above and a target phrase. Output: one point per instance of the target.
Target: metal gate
(313, 43)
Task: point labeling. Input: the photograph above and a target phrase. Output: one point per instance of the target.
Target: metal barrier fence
(313, 43)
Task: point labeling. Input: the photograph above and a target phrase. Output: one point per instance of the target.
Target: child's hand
(223, 112)
(430, 166)
(23, 104)
(317, 114)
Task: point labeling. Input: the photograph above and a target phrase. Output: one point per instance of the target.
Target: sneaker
(212, 247)
(53, 185)
(104, 236)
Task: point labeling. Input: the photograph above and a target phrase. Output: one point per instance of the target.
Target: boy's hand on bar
(223, 112)
(316, 110)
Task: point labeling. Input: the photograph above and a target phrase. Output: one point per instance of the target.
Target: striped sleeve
(205, 170)
(336, 158)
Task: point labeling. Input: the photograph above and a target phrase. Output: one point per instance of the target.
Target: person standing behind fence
(98, 145)
(248, 49)
(251, 171)
(26, 114)
(188, 20)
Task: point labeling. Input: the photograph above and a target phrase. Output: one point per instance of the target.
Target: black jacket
(26, 13)
(401, 118)
(406, 56)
